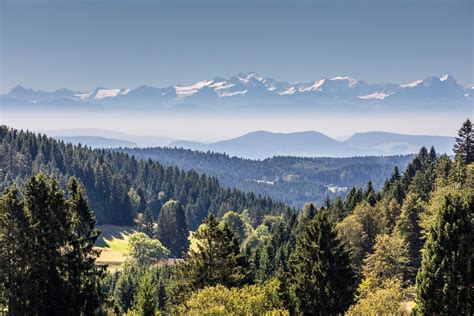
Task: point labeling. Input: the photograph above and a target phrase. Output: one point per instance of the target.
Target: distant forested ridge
(292, 180)
(118, 184)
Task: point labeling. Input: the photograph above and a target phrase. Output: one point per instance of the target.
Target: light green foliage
(248, 300)
(385, 300)
(238, 224)
(359, 230)
(134, 198)
(145, 250)
(389, 260)
(390, 212)
(408, 227)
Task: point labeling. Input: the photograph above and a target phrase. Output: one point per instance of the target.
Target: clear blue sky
(117, 43)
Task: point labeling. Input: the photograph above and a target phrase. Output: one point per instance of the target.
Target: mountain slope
(117, 184)
(291, 180)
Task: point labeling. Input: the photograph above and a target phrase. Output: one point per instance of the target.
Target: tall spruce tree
(50, 243)
(408, 226)
(49, 223)
(464, 147)
(322, 279)
(172, 228)
(14, 257)
(445, 280)
(216, 258)
(146, 300)
(83, 274)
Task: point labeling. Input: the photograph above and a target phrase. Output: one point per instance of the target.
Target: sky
(116, 43)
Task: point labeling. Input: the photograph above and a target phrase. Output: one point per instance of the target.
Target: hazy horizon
(209, 128)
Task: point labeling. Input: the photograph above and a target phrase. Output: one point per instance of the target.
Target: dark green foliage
(321, 273)
(13, 252)
(273, 255)
(369, 194)
(464, 147)
(108, 176)
(129, 288)
(354, 197)
(83, 274)
(296, 180)
(53, 252)
(145, 224)
(146, 300)
(445, 279)
(172, 229)
(307, 214)
(216, 259)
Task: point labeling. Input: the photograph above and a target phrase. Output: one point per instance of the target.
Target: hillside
(117, 184)
(292, 180)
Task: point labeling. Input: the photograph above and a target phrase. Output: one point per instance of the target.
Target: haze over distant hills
(257, 92)
(97, 137)
(261, 144)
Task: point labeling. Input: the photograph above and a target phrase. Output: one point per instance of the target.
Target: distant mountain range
(261, 144)
(255, 91)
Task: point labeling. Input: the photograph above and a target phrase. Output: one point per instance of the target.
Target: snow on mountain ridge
(253, 85)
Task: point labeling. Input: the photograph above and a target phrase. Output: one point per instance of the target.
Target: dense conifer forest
(118, 185)
(292, 180)
(402, 249)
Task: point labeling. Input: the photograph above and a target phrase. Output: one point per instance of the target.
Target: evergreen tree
(146, 300)
(172, 228)
(216, 258)
(306, 215)
(83, 274)
(47, 212)
(337, 209)
(369, 194)
(50, 243)
(408, 226)
(14, 257)
(464, 147)
(321, 275)
(445, 280)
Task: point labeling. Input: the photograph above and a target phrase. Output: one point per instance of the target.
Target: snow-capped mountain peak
(252, 88)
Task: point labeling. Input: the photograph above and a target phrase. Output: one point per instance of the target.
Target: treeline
(117, 185)
(294, 180)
